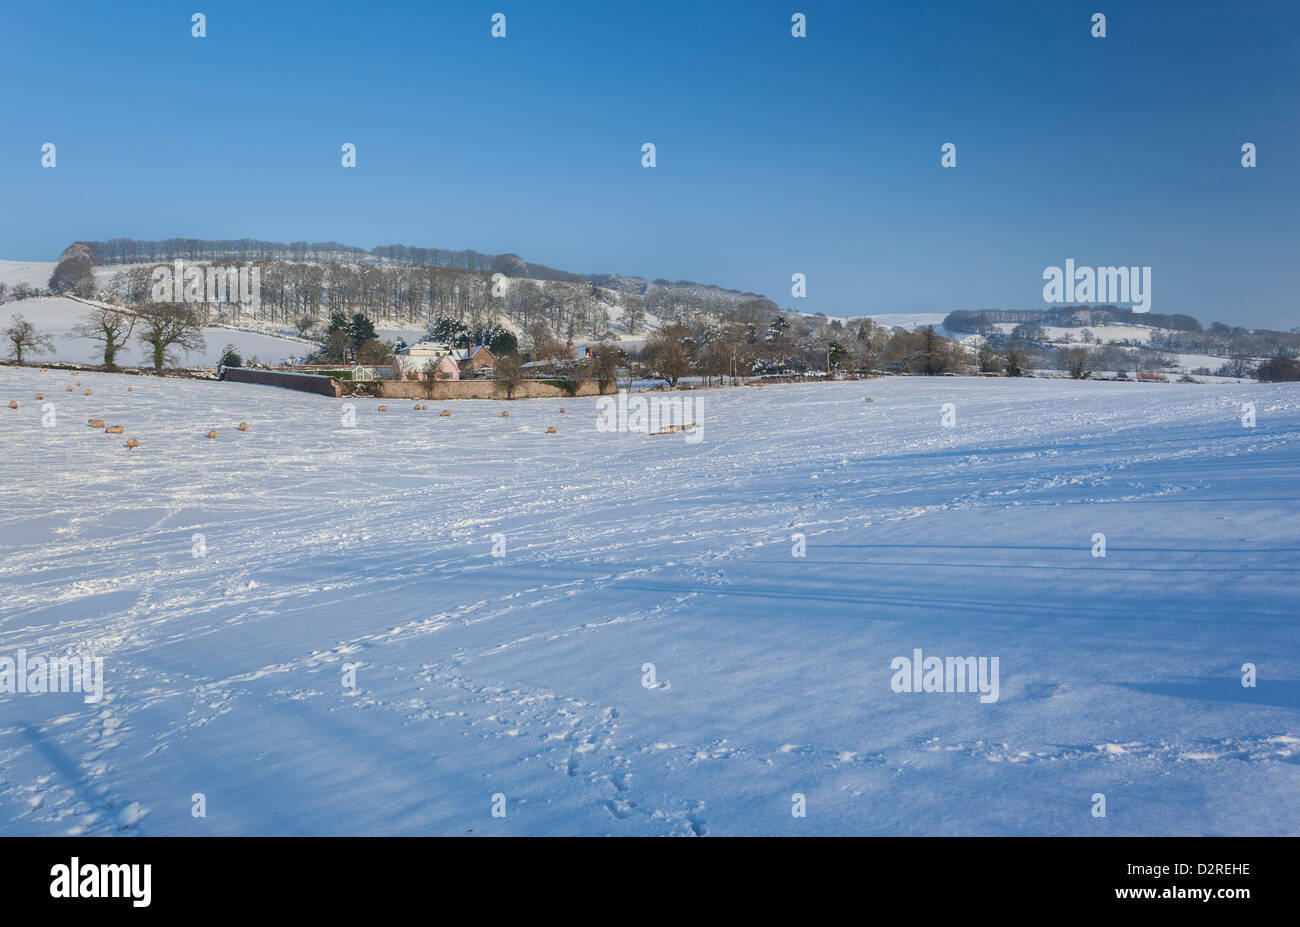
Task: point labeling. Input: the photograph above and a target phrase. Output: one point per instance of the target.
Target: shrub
(230, 357)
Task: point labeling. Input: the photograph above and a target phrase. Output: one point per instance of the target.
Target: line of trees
(164, 329)
(1175, 333)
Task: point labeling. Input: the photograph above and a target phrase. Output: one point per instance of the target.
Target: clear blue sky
(775, 155)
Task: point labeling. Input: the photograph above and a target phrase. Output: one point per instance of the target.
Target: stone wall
(308, 383)
(478, 389)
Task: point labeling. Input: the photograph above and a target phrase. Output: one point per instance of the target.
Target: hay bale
(132, 442)
(869, 399)
(505, 414)
(243, 426)
(113, 430)
(551, 430)
(40, 396)
(67, 389)
(12, 404)
(383, 408)
(444, 414)
(87, 392)
(561, 410)
(96, 423)
(129, 388)
(212, 434)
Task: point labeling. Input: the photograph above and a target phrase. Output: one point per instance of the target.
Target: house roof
(462, 354)
(427, 346)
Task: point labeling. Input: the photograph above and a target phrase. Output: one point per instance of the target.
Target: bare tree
(109, 328)
(509, 372)
(604, 364)
(670, 351)
(1078, 362)
(166, 326)
(24, 338)
(375, 353)
(633, 311)
(431, 377)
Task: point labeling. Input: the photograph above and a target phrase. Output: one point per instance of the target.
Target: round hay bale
(113, 430)
(212, 434)
(96, 423)
(551, 430)
(129, 388)
(869, 399)
(505, 414)
(132, 442)
(87, 392)
(40, 396)
(12, 404)
(383, 408)
(561, 410)
(243, 426)
(444, 414)
(67, 389)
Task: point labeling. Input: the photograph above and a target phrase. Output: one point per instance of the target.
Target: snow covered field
(55, 316)
(327, 547)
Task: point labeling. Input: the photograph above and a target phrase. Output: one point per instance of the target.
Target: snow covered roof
(423, 347)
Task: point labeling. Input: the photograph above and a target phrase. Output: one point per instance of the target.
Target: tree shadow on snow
(1279, 693)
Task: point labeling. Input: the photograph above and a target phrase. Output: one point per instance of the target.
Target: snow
(328, 548)
(34, 274)
(911, 321)
(55, 316)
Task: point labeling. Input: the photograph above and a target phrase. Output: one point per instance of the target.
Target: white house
(417, 356)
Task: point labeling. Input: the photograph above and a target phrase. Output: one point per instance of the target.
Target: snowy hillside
(55, 316)
(328, 550)
(35, 274)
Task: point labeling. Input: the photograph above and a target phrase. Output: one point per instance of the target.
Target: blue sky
(775, 155)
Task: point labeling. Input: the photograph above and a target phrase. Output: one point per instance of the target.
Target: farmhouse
(472, 360)
(451, 363)
(417, 356)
